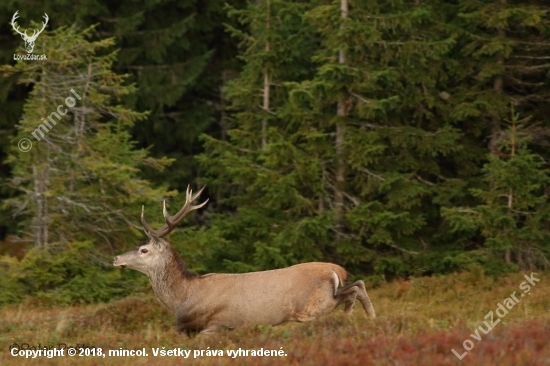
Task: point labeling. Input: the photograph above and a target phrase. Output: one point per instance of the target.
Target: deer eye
(144, 251)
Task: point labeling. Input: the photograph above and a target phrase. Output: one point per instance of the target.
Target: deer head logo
(29, 40)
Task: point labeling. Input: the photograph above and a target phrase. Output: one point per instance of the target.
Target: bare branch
(365, 170)
(401, 249)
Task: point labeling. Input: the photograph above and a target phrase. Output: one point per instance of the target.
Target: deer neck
(170, 282)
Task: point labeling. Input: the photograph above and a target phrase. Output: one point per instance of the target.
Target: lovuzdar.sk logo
(29, 39)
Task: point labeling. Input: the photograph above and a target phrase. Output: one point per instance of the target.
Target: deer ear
(155, 239)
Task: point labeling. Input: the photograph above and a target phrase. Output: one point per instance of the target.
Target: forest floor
(419, 322)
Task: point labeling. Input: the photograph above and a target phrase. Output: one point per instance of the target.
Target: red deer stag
(216, 301)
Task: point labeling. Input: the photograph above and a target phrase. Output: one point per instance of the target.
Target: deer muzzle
(117, 263)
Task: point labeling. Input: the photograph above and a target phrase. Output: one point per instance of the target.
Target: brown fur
(217, 301)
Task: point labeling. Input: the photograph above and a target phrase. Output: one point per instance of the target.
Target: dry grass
(418, 323)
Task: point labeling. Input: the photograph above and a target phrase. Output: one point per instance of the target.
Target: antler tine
(195, 197)
(148, 229)
(15, 16)
(199, 206)
(169, 219)
(165, 213)
(198, 194)
(187, 207)
(44, 24)
(172, 221)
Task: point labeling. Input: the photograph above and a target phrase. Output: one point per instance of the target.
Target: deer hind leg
(347, 295)
(320, 301)
(356, 291)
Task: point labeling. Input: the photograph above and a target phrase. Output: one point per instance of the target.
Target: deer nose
(115, 260)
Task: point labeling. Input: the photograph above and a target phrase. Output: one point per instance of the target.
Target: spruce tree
(513, 213)
(501, 56)
(79, 180)
(370, 112)
(79, 183)
(256, 187)
(176, 51)
(387, 100)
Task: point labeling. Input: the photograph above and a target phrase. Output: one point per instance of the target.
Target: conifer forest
(407, 141)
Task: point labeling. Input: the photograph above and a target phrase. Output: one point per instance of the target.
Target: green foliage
(378, 140)
(81, 178)
(513, 212)
(414, 145)
(77, 274)
(176, 51)
(79, 186)
(284, 192)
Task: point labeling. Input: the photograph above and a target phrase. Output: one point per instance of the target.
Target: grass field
(418, 323)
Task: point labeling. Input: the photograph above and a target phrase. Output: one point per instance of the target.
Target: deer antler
(43, 26)
(172, 221)
(15, 16)
(25, 35)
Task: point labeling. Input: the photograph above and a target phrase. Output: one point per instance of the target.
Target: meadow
(419, 322)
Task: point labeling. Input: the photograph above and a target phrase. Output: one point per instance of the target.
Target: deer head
(157, 252)
(29, 40)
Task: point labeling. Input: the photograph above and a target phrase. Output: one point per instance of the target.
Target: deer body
(217, 301)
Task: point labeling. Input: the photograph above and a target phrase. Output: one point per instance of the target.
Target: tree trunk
(41, 219)
(496, 130)
(224, 126)
(265, 105)
(498, 85)
(508, 252)
(495, 121)
(340, 131)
